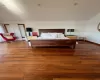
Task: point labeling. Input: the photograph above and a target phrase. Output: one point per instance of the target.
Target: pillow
(45, 35)
(9, 37)
(6, 34)
(60, 35)
(49, 35)
(53, 35)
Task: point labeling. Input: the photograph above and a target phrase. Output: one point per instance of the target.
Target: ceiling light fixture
(75, 4)
(39, 5)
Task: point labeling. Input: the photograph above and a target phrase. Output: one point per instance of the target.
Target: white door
(22, 32)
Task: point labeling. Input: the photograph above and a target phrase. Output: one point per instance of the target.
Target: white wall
(91, 32)
(13, 28)
(1, 31)
(82, 28)
(78, 26)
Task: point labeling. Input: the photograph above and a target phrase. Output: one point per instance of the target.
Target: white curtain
(1, 31)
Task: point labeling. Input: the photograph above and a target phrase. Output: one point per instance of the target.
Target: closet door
(22, 31)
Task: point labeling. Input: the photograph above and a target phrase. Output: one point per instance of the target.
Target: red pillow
(34, 33)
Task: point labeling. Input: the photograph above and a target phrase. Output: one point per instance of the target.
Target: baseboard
(92, 42)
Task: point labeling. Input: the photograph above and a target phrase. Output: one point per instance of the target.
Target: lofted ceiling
(48, 10)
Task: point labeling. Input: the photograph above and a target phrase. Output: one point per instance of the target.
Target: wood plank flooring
(20, 62)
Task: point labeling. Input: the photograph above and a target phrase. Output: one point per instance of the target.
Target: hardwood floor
(20, 62)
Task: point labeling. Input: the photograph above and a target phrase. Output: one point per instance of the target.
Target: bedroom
(75, 56)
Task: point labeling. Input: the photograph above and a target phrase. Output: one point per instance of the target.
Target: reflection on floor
(20, 62)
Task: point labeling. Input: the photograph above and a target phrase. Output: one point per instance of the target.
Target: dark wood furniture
(51, 31)
(53, 42)
(71, 36)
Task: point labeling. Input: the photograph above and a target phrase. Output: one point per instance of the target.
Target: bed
(53, 42)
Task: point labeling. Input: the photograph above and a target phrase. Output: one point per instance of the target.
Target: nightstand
(31, 37)
(82, 38)
(71, 36)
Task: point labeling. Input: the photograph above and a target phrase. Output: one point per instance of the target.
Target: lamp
(29, 30)
(70, 30)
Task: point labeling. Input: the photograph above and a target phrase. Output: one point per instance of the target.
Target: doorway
(22, 31)
(5, 28)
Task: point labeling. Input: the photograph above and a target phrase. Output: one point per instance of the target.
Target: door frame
(5, 28)
(24, 29)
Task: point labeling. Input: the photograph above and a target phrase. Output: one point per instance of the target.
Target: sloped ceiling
(48, 10)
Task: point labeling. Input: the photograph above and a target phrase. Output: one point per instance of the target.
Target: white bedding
(52, 36)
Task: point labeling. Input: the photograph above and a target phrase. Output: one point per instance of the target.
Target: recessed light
(39, 4)
(75, 4)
